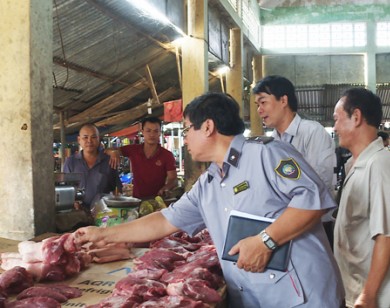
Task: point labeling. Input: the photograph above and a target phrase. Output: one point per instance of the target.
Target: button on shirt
(312, 279)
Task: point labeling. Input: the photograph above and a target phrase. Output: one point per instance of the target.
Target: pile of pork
(53, 259)
(19, 282)
(178, 271)
(58, 257)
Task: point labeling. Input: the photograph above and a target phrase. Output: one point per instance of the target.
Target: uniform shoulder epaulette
(260, 139)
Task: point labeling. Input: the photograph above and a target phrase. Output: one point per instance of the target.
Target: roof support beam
(149, 78)
(130, 115)
(110, 102)
(87, 71)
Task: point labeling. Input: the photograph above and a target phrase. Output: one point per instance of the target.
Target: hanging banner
(128, 132)
(173, 111)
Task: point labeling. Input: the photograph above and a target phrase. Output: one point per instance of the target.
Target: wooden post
(256, 122)
(63, 140)
(178, 64)
(195, 73)
(234, 77)
(195, 52)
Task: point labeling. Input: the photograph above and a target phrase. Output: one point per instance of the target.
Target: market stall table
(97, 281)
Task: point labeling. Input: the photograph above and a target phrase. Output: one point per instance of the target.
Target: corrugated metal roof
(101, 48)
(100, 52)
(318, 102)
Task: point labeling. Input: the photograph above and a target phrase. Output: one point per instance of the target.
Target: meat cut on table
(34, 302)
(169, 276)
(42, 292)
(15, 281)
(53, 259)
(177, 271)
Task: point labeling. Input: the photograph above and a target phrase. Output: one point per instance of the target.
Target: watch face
(268, 241)
(270, 244)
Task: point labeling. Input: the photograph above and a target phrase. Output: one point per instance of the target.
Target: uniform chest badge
(158, 163)
(241, 187)
(289, 169)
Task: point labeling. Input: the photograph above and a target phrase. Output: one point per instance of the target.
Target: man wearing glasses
(153, 167)
(264, 178)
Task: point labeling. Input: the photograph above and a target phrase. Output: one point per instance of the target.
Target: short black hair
(383, 135)
(367, 102)
(150, 120)
(219, 107)
(278, 86)
(89, 125)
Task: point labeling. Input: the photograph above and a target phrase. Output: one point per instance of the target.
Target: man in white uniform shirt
(255, 176)
(362, 231)
(277, 105)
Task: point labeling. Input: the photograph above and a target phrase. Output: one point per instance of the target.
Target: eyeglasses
(184, 132)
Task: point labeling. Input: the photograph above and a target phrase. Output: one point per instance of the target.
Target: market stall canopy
(128, 132)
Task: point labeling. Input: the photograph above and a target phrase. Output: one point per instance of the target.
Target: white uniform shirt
(316, 145)
(364, 212)
(312, 278)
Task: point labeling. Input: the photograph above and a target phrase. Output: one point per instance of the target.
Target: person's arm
(115, 157)
(145, 229)
(254, 255)
(170, 182)
(380, 264)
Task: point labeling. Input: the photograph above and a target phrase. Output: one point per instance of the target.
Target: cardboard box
(7, 245)
(98, 281)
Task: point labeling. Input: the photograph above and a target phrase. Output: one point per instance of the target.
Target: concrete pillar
(256, 123)
(195, 72)
(234, 77)
(26, 128)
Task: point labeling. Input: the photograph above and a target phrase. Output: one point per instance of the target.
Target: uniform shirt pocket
(278, 289)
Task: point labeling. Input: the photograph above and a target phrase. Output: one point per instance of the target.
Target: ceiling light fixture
(223, 69)
(178, 42)
(152, 12)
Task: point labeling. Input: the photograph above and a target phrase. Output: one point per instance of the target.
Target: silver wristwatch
(267, 240)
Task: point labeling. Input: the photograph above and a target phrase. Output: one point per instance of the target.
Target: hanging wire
(62, 45)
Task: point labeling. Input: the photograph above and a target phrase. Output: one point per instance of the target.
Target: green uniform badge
(289, 169)
(241, 187)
